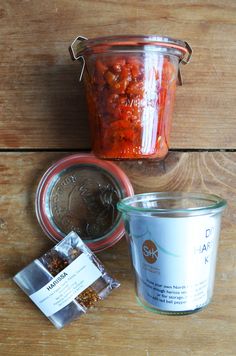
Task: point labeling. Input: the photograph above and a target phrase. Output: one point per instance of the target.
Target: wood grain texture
(118, 325)
(41, 102)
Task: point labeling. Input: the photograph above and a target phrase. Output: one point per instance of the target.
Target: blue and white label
(174, 260)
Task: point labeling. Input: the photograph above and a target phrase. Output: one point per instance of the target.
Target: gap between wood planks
(3, 150)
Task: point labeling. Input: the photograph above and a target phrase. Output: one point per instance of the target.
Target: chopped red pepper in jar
(130, 99)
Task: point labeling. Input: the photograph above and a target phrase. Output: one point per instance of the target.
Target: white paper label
(67, 285)
(174, 260)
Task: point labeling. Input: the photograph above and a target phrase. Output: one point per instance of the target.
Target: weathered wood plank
(42, 104)
(118, 325)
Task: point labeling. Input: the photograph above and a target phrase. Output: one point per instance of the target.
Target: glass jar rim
(134, 40)
(102, 44)
(216, 203)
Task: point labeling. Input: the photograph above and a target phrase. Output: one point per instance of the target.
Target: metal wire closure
(74, 57)
(184, 61)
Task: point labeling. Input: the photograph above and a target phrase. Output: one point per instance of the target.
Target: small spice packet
(66, 281)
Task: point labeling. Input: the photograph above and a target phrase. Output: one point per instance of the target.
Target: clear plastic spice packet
(66, 281)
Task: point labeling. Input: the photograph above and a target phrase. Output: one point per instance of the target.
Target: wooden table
(43, 118)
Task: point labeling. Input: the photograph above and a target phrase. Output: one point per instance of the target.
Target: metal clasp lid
(75, 56)
(184, 60)
(73, 49)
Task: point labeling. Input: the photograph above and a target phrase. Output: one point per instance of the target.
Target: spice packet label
(66, 286)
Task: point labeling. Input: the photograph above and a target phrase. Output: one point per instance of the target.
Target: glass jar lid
(82, 47)
(79, 193)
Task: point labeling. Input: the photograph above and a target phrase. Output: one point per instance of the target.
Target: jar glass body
(130, 96)
(173, 242)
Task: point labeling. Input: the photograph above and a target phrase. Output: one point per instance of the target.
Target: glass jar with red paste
(130, 84)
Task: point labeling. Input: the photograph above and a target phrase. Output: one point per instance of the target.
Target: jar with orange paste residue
(130, 84)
